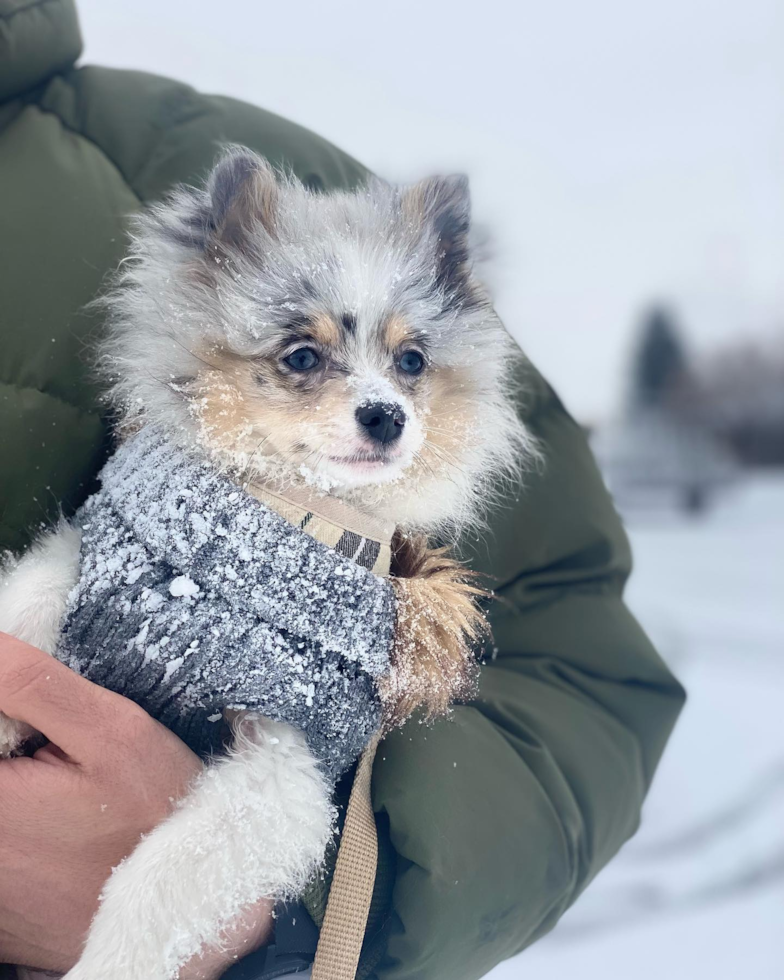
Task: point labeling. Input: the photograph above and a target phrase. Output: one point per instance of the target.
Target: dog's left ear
(444, 205)
(243, 196)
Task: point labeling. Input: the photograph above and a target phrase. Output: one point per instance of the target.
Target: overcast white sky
(619, 152)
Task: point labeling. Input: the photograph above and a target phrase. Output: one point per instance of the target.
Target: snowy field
(699, 892)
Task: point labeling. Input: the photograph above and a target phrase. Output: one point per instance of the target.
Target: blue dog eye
(303, 359)
(411, 362)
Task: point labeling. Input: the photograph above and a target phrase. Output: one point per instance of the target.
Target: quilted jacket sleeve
(502, 816)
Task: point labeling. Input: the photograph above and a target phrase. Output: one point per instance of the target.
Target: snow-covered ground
(699, 892)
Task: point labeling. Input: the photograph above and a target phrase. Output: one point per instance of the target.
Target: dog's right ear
(442, 205)
(243, 198)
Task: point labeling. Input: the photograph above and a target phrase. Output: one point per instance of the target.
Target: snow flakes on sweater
(194, 597)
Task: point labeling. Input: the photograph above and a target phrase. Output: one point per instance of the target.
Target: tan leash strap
(345, 918)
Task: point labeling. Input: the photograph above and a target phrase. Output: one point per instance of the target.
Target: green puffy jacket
(492, 823)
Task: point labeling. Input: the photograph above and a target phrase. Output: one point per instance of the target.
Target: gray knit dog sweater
(194, 597)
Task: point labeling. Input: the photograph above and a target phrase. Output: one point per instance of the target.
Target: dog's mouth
(363, 459)
(369, 465)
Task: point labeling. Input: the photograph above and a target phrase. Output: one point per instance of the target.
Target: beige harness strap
(368, 542)
(345, 918)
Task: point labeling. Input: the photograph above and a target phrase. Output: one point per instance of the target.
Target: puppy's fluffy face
(339, 341)
(329, 399)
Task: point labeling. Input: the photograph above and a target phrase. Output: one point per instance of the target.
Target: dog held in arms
(316, 348)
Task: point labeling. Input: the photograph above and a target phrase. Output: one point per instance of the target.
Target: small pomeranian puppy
(334, 357)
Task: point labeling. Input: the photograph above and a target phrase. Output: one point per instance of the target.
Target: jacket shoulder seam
(49, 394)
(23, 10)
(88, 139)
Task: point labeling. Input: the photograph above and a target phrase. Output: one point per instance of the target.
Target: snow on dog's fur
(223, 285)
(335, 342)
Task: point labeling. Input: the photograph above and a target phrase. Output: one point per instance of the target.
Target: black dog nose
(382, 421)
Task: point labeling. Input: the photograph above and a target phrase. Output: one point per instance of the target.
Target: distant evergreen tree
(660, 363)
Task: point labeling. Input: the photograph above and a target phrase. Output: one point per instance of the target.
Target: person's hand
(73, 811)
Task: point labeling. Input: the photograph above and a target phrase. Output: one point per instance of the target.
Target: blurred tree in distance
(660, 365)
(740, 398)
(658, 451)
